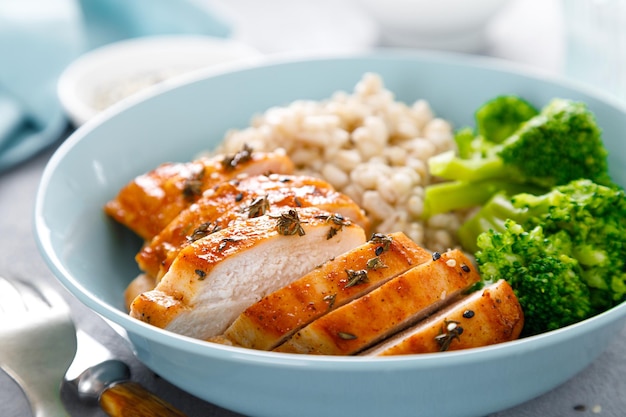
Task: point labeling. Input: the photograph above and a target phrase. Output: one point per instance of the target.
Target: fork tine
(18, 295)
(33, 298)
(10, 298)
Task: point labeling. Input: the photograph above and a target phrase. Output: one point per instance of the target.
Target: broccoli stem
(457, 195)
(448, 165)
(492, 216)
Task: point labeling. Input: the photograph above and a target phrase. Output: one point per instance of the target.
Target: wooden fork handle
(129, 399)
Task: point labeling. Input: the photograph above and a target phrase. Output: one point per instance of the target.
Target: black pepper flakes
(468, 314)
(201, 274)
(436, 256)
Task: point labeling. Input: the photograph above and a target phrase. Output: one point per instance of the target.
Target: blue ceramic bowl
(94, 258)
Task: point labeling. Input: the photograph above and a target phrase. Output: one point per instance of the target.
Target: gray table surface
(600, 389)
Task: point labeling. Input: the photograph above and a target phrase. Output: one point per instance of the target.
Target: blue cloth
(39, 38)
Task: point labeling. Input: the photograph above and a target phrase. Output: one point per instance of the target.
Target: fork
(38, 340)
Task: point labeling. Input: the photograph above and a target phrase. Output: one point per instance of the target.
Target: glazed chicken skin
(238, 199)
(151, 201)
(215, 278)
(267, 323)
(395, 305)
(485, 317)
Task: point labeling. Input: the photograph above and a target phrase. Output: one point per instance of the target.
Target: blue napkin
(39, 38)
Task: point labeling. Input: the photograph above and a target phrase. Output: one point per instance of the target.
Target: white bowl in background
(111, 73)
(453, 25)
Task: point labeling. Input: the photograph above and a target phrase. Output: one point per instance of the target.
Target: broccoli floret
(560, 144)
(495, 120)
(500, 117)
(546, 281)
(595, 217)
(546, 245)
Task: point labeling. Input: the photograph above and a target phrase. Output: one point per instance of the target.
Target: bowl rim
(259, 60)
(287, 360)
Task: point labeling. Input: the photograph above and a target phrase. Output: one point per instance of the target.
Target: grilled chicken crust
(214, 279)
(149, 202)
(267, 323)
(395, 305)
(240, 199)
(488, 316)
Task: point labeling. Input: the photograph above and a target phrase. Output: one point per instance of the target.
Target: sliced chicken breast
(148, 203)
(395, 305)
(489, 316)
(240, 199)
(216, 278)
(267, 323)
(140, 284)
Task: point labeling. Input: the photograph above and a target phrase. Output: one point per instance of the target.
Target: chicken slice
(489, 316)
(240, 199)
(395, 305)
(267, 323)
(140, 284)
(216, 278)
(149, 202)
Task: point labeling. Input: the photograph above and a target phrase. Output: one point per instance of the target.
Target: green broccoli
(560, 144)
(495, 120)
(564, 252)
(500, 117)
(445, 196)
(490, 217)
(546, 280)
